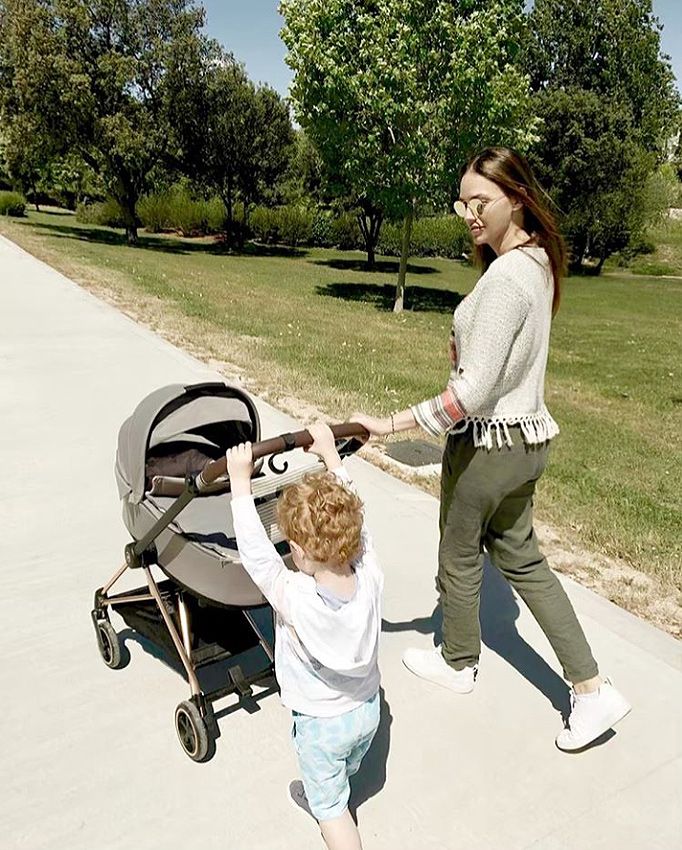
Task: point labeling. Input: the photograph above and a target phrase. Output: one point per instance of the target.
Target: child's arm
(258, 556)
(324, 447)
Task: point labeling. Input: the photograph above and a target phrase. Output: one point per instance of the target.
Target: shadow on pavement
(498, 614)
(371, 777)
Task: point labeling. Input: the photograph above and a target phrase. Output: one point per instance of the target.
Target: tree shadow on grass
(61, 213)
(419, 299)
(384, 266)
(165, 244)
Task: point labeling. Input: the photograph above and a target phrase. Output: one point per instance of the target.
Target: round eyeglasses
(476, 206)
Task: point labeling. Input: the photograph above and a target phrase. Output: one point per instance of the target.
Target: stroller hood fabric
(176, 412)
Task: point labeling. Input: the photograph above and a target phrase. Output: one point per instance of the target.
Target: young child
(328, 620)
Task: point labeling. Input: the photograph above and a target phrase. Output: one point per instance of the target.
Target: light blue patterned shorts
(329, 751)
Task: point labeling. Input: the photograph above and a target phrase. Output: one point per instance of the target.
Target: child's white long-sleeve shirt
(326, 660)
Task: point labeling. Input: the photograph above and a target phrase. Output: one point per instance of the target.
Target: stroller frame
(195, 720)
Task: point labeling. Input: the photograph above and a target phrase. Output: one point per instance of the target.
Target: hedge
(176, 210)
(12, 203)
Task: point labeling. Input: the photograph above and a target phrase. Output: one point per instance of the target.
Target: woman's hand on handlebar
(376, 427)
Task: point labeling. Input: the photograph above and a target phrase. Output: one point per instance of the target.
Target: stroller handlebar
(284, 443)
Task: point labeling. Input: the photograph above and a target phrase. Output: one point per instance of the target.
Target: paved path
(89, 755)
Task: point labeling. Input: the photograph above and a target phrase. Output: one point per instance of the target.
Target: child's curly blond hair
(323, 517)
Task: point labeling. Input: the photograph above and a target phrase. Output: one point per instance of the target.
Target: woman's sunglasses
(476, 206)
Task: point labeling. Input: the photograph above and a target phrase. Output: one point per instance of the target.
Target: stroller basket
(176, 503)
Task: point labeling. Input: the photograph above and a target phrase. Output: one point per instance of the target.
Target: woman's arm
(500, 312)
(392, 424)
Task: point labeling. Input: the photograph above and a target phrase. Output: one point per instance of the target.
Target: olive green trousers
(487, 500)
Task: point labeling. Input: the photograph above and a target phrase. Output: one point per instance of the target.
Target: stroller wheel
(112, 651)
(192, 730)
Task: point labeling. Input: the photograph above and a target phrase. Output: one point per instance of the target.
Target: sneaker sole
(615, 718)
(449, 687)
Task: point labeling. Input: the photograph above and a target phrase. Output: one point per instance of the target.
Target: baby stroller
(171, 476)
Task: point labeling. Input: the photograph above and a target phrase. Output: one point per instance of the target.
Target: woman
(499, 432)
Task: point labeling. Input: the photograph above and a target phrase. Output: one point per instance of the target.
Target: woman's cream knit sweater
(501, 333)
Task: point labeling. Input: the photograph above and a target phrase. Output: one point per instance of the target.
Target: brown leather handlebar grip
(283, 443)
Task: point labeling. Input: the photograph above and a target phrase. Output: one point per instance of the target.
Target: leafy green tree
(396, 93)
(304, 180)
(231, 136)
(266, 150)
(27, 155)
(71, 181)
(609, 105)
(90, 77)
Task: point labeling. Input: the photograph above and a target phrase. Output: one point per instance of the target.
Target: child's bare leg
(341, 833)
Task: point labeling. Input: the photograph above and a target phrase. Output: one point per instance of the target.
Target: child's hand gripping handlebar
(350, 434)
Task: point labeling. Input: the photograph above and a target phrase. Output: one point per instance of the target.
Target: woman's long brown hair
(514, 176)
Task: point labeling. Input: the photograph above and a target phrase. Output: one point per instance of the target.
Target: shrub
(653, 267)
(12, 203)
(295, 225)
(264, 224)
(443, 236)
(176, 210)
(154, 213)
(439, 236)
(346, 232)
(290, 225)
(322, 230)
(107, 213)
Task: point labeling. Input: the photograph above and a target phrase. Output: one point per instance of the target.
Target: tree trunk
(127, 196)
(128, 205)
(35, 199)
(245, 223)
(578, 253)
(404, 255)
(602, 258)
(370, 225)
(228, 200)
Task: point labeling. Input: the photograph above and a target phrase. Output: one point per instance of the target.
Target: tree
(396, 93)
(90, 77)
(231, 136)
(26, 156)
(304, 180)
(608, 103)
(267, 148)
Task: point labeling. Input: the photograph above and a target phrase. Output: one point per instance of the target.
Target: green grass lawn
(314, 325)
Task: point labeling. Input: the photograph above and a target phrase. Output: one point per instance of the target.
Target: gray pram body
(207, 610)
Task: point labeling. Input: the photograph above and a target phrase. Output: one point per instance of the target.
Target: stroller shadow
(371, 777)
(213, 676)
(498, 614)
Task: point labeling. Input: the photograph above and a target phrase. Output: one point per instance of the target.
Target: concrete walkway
(89, 755)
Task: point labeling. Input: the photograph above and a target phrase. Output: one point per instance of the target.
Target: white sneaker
(591, 716)
(298, 797)
(430, 664)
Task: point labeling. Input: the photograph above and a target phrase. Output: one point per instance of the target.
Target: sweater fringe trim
(489, 431)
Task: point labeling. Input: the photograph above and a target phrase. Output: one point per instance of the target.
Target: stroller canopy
(211, 416)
